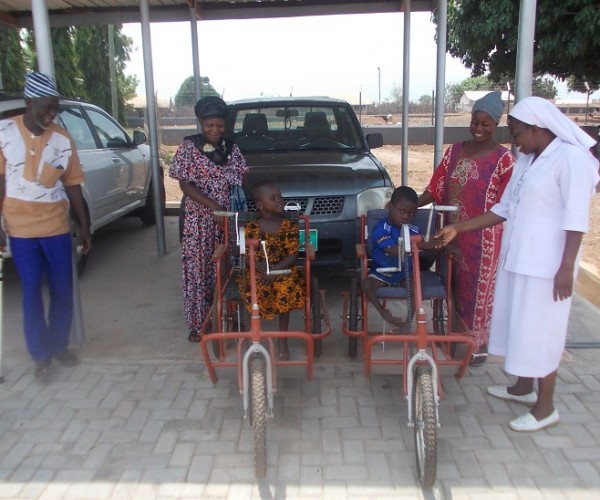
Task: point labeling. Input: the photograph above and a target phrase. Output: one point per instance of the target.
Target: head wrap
(211, 107)
(491, 104)
(39, 85)
(543, 114)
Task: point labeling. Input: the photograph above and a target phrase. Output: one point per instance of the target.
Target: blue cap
(39, 85)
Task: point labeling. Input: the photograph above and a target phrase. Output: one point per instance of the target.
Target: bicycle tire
(425, 427)
(315, 313)
(258, 414)
(353, 316)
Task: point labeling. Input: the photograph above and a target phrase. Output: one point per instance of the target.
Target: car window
(296, 127)
(73, 120)
(110, 133)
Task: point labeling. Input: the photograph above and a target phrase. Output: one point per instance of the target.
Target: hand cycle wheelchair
(422, 350)
(251, 351)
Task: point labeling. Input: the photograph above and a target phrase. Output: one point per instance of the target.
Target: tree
(186, 95)
(425, 100)
(396, 94)
(12, 62)
(81, 63)
(566, 39)
(544, 87)
(91, 44)
(68, 76)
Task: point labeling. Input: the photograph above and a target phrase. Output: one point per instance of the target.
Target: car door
(99, 186)
(127, 161)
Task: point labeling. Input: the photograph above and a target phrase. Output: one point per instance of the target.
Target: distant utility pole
(587, 101)
(379, 80)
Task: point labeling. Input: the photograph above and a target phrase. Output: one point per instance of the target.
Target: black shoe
(67, 358)
(42, 368)
(194, 337)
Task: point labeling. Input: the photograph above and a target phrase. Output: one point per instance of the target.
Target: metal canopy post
(152, 128)
(440, 81)
(195, 53)
(524, 69)
(195, 57)
(43, 41)
(405, 93)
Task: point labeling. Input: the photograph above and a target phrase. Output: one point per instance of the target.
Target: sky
(339, 56)
(320, 55)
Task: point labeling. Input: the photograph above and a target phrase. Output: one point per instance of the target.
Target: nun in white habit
(546, 209)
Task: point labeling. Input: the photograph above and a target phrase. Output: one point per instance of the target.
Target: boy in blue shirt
(384, 238)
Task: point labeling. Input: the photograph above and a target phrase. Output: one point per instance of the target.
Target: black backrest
(316, 125)
(255, 124)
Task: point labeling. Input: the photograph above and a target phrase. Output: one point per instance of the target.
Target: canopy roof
(97, 12)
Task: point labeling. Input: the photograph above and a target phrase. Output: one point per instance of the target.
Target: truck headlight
(373, 198)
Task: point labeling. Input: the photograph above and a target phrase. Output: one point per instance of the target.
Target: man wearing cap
(40, 180)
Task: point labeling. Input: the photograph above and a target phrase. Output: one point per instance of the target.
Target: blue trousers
(33, 258)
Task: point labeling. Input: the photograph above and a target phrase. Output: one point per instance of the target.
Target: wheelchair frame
(255, 357)
(423, 351)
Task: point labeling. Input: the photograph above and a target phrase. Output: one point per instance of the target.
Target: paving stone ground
(140, 419)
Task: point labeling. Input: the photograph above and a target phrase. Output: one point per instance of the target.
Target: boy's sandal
(194, 337)
(478, 358)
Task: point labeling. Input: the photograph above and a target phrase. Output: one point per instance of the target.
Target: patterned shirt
(37, 169)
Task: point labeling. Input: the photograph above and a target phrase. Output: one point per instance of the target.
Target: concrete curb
(588, 283)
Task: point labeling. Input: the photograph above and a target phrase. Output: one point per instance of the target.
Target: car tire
(147, 214)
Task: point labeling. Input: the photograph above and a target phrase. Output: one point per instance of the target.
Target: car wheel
(147, 214)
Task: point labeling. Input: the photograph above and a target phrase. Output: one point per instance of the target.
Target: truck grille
(323, 205)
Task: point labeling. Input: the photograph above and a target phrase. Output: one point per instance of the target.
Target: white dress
(544, 199)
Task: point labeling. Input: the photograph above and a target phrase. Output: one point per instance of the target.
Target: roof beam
(113, 12)
(7, 19)
(196, 5)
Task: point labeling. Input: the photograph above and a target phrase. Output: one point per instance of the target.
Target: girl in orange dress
(278, 293)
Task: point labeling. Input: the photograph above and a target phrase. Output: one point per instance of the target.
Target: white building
(470, 96)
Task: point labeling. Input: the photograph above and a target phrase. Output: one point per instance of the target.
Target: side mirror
(139, 137)
(375, 140)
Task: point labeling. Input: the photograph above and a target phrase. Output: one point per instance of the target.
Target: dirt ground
(420, 168)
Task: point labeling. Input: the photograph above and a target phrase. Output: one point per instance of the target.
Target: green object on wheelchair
(313, 237)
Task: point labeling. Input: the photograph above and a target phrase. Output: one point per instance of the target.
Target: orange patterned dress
(287, 292)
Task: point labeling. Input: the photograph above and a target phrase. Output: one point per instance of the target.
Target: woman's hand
(220, 219)
(267, 279)
(563, 279)
(2, 240)
(563, 283)
(446, 234)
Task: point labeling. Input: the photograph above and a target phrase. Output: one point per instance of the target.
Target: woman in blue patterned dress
(207, 166)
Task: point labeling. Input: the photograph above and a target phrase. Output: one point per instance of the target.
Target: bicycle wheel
(315, 313)
(353, 313)
(425, 427)
(258, 414)
(440, 316)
